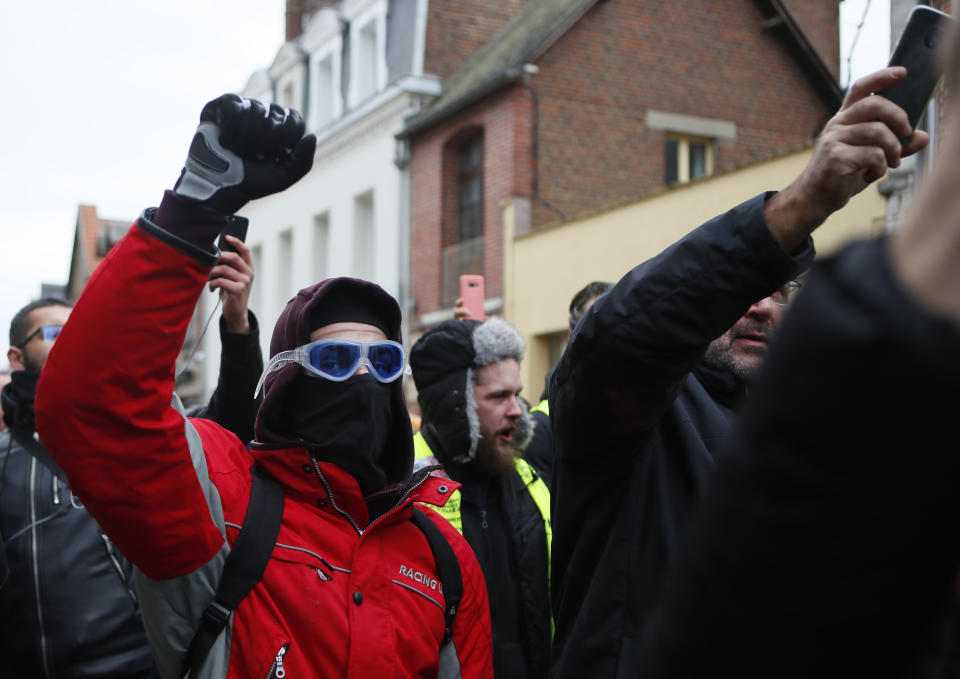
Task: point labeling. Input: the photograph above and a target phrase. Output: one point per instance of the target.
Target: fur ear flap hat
(444, 361)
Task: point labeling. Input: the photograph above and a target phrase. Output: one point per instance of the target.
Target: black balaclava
(360, 425)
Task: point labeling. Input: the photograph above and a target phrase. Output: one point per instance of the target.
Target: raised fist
(243, 150)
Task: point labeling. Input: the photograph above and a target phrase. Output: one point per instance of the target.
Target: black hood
(318, 305)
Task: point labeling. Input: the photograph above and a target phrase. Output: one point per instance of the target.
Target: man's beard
(720, 354)
(30, 366)
(493, 459)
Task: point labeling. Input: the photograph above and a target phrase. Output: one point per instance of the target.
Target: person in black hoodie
(69, 609)
(648, 388)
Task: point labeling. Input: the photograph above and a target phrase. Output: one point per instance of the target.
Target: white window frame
(683, 155)
(331, 51)
(376, 15)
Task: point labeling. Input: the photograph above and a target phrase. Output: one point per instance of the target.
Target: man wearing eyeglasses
(69, 608)
(647, 391)
(351, 586)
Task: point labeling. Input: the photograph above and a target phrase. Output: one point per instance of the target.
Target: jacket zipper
(333, 503)
(36, 564)
(112, 555)
(353, 523)
(56, 489)
(402, 499)
(276, 669)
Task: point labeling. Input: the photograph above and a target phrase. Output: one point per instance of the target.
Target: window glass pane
(670, 161)
(698, 159)
(470, 162)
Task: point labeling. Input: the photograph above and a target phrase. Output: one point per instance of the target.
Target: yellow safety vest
(534, 483)
(542, 407)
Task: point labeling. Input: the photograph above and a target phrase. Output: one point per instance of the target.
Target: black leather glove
(243, 150)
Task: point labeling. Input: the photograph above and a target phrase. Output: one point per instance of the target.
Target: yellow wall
(544, 269)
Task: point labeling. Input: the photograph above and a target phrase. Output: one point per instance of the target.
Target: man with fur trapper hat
(351, 580)
(467, 374)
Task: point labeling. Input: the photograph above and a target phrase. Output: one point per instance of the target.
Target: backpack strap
(243, 568)
(447, 564)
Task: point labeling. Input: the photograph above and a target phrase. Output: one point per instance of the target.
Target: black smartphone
(236, 226)
(917, 50)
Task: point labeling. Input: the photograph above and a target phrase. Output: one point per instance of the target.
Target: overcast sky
(103, 97)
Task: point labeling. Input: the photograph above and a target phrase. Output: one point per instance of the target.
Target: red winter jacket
(335, 600)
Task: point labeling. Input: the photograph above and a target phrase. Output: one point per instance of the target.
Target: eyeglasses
(339, 360)
(785, 293)
(49, 333)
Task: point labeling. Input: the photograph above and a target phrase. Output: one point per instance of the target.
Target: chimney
(294, 18)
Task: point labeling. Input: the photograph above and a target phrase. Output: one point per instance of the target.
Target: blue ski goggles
(339, 360)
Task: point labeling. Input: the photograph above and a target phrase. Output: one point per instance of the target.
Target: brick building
(355, 69)
(93, 238)
(575, 106)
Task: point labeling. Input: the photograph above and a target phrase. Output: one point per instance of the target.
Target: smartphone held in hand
(918, 51)
(236, 226)
(472, 294)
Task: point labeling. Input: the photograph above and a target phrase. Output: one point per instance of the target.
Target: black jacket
(241, 362)
(636, 426)
(68, 608)
(827, 546)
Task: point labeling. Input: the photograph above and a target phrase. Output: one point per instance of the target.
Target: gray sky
(103, 97)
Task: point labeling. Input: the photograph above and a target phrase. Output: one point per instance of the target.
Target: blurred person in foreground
(467, 374)
(827, 545)
(70, 609)
(350, 585)
(647, 391)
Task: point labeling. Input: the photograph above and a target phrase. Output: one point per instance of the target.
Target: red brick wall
(458, 28)
(592, 93)
(819, 20)
(624, 57)
(504, 119)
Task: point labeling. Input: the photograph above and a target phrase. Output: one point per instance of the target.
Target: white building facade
(355, 73)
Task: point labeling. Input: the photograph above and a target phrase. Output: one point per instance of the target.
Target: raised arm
(233, 404)
(827, 546)
(104, 402)
(628, 358)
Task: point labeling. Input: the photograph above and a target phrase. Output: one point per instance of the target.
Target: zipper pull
(56, 489)
(278, 670)
(483, 519)
(323, 576)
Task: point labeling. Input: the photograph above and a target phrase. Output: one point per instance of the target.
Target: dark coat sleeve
(233, 405)
(829, 541)
(631, 352)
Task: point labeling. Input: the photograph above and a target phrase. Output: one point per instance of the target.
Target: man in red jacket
(352, 588)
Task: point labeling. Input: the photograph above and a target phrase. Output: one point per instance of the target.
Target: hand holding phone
(472, 294)
(918, 51)
(237, 227)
